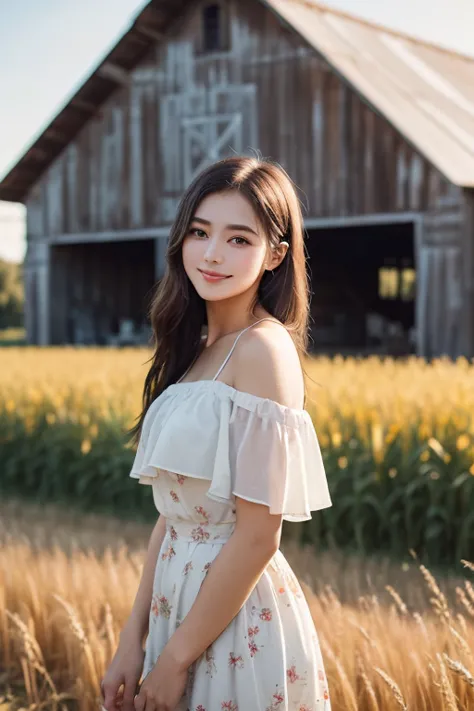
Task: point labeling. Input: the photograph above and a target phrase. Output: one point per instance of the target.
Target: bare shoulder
(267, 365)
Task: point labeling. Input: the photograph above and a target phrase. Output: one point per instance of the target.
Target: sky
(48, 48)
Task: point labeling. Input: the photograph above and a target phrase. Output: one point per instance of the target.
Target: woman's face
(226, 238)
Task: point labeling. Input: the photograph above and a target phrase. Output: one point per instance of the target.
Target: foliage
(11, 294)
(397, 440)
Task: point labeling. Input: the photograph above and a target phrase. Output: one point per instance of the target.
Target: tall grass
(397, 439)
(393, 637)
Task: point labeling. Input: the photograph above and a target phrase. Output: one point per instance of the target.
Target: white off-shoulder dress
(202, 444)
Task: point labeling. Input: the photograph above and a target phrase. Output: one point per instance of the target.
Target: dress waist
(178, 529)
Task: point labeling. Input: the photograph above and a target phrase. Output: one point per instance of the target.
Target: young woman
(230, 453)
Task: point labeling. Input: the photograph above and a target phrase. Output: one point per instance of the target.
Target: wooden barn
(376, 128)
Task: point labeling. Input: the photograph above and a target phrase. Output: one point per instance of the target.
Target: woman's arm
(136, 625)
(237, 568)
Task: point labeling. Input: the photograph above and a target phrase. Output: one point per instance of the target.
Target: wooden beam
(111, 71)
(84, 105)
(384, 218)
(111, 235)
(149, 33)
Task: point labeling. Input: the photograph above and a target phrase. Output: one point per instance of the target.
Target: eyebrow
(241, 228)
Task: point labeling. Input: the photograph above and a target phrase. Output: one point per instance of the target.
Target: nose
(212, 251)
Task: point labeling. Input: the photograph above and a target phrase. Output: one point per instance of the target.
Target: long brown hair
(178, 313)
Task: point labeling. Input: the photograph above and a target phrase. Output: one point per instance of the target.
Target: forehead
(227, 208)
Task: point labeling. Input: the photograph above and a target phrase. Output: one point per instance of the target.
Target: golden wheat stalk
(33, 657)
(438, 602)
(370, 695)
(463, 599)
(81, 636)
(394, 688)
(401, 606)
(459, 669)
(468, 564)
(446, 688)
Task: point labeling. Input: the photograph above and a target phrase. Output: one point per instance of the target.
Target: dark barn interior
(102, 292)
(363, 289)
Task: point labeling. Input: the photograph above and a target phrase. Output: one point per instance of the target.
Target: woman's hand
(163, 687)
(125, 668)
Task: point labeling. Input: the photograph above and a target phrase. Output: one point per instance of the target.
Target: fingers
(111, 697)
(139, 701)
(131, 690)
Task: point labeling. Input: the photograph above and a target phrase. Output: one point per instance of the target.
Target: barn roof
(426, 92)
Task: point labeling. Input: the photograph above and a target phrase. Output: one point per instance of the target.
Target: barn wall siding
(181, 109)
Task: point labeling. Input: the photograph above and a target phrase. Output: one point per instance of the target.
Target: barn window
(213, 30)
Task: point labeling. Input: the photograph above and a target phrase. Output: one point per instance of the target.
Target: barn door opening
(363, 281)
(101, 292)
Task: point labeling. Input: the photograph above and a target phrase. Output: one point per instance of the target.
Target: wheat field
(397, 439)
(393, 637)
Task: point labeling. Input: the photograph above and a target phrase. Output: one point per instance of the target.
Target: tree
(11, 294)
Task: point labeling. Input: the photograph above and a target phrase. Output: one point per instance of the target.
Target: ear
(277, 255)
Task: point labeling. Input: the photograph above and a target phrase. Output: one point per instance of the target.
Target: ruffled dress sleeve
(275, 459)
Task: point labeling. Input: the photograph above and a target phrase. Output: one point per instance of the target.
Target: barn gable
(425, 92)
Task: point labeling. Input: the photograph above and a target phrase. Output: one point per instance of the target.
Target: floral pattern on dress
(169, 553)
(202, 512)
(189, 566)
(160, 606)
(174, 496)
(199, 534)
(278, 699)
(236, 661)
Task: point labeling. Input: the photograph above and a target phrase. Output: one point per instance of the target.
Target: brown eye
(196, 230)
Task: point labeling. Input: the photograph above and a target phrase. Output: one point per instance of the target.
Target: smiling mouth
(213, 275)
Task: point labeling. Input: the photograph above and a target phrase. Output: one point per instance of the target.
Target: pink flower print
(236, 662)
(321, 675)
(189, 566)
(281, 590)
(229, 706)
(201, 511)
(292, 675)
(277, 699)
(169, 553)
(160, 606)
(174, 496)
(200, 708)
(207, 568)
(305, 707)
(199, 534)
(252, 631)
(253, 648)
(173, 534)
(264, 614)
(180, 478)
(154, 606)
(326, 695)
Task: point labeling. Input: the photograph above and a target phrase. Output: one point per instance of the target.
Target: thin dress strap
(265, 318)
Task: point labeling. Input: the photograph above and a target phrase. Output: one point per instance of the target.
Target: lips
(214, 274)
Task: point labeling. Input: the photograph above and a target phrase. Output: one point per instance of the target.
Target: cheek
(191, 253)
(248, 263)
